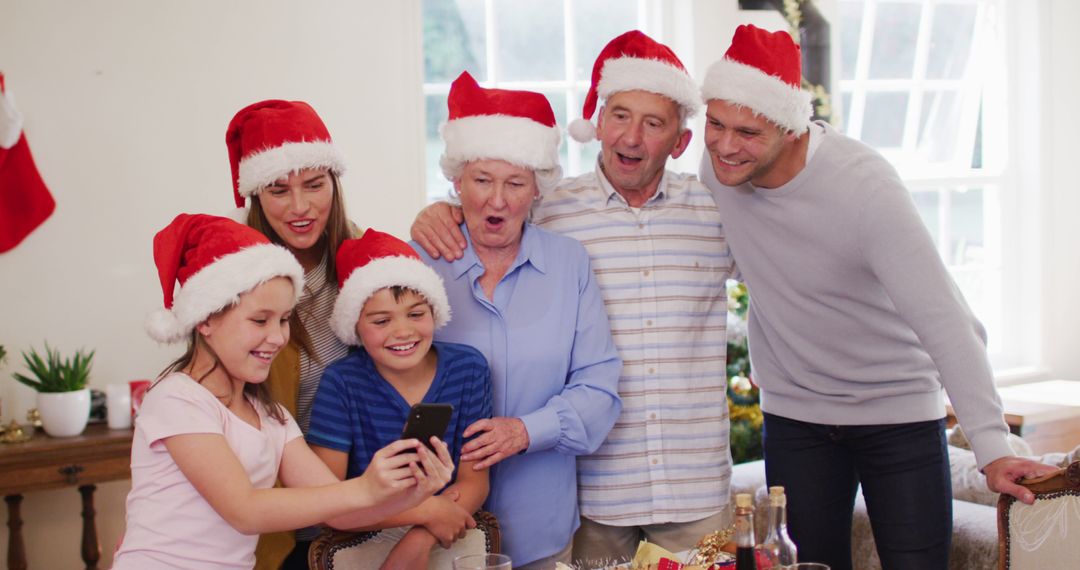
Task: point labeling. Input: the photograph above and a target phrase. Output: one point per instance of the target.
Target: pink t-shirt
(169, 524)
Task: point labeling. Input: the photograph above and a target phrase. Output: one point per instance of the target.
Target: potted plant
(62, 396)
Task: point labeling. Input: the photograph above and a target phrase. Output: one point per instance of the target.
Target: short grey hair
(546, 179)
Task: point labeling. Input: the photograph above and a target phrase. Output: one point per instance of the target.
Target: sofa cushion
(974, 538)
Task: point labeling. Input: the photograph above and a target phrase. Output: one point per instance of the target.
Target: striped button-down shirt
(662, 271)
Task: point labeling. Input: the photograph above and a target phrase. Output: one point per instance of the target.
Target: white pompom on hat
(635, 62)
(274, 138)
(215, 260)
(375, 261)
(762, 71)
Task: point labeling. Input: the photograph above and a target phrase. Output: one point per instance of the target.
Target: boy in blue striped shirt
(389, 306)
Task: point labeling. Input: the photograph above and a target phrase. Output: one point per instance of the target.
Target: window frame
(1006, 218)
(650, 16)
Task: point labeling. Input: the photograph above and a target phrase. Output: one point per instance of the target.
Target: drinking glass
(482, 562)
(118, 405)
(806, 566)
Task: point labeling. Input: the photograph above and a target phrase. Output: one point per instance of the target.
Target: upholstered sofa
(974, 541)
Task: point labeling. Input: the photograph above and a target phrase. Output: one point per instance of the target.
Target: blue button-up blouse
(553, 364)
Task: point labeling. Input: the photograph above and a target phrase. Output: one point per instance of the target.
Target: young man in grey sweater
(856, 327)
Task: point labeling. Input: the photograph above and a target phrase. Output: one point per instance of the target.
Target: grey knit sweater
(854, 318)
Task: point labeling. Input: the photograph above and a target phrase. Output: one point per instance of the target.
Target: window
(922, 81)
(547, 46)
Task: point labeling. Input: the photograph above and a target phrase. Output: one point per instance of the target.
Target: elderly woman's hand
(505, 437)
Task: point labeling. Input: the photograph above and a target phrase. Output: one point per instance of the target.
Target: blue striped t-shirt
(358, 412)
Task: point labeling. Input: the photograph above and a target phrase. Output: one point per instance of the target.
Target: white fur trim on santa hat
(516, 140)
(638, 74)
(766, 95)
(379, 274)
(261, 169)
(11, 121)
(238, 215)
(220, 285)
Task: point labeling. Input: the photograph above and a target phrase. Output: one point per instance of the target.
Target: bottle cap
(743, 500)
(776, 490)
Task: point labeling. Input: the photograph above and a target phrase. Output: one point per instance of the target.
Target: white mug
(118, 405)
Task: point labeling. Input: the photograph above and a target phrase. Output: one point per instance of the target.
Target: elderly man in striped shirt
(660, 257)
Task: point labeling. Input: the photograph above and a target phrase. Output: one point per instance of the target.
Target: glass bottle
(744, 532)
(777, 549)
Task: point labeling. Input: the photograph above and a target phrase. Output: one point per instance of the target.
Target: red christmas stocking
(25, 202)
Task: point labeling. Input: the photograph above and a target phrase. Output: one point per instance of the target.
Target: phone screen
(426, 420)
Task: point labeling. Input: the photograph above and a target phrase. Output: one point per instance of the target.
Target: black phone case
(426, 420)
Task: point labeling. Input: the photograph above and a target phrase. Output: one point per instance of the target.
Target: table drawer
(34, 478)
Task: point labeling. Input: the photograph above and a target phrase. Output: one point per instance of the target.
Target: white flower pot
(64, 414)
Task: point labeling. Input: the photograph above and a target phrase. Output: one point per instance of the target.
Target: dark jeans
(297, 559)
(904, 472)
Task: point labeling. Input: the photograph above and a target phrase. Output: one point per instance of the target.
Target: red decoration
(25, 201)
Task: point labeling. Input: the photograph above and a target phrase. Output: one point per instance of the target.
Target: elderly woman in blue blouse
(527, 300)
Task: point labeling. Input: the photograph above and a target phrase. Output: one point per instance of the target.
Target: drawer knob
(71, 473)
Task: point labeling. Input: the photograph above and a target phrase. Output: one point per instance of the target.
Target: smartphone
(426, 420)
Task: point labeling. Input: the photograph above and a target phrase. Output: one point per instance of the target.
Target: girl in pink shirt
(209, 442)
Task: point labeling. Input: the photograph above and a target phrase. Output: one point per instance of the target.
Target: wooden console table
(100, 454)
(1046, 414)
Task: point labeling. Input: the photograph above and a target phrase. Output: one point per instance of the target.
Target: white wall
(1060, 63)
(126, 104)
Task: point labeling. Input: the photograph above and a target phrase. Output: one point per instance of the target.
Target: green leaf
(52, 373)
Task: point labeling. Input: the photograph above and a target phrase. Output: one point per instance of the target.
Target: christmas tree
(743, 408)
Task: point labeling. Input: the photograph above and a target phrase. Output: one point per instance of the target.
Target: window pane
(895, 31)
(845, 121)
(453, 39)
(928, 203)
(977, 151)
(596, 22)
(981, 290)
(558, 106)
(851, 14)
(950, 41)
(530, 44)
(437, 184)
(588, 153)
(967, 245)
(938, 126)
(883, 120)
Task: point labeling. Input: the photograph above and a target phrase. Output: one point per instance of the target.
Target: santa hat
(515, 126)
(375, 261)
(635, 62)
(271, 139)
(215, 260)
(763, 72)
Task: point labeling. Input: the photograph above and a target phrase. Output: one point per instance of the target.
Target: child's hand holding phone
(405, 473)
